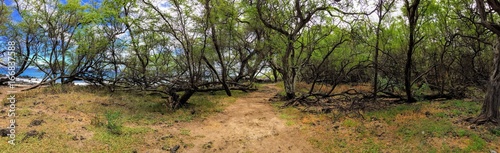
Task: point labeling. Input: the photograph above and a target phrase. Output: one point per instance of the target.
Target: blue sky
(15, 16)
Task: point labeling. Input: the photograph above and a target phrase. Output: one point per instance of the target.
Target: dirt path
(248, 125)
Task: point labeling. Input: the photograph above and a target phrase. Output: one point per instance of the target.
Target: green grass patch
(495, 131)
(461, 108)
(185, 132)
(114, 124)
(441, 115)
(425, 127)
(116, 143)
(350, 123)
(462, 132)
(477, 144)
(370, 146)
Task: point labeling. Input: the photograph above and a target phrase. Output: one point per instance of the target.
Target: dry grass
(421, 127)
(72, 113)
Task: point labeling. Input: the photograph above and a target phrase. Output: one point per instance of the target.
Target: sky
(16, 17)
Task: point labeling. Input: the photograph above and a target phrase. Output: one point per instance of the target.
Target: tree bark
(491, 103)
(412, 10)
(289, 84)
(375, 58)
(183, 99)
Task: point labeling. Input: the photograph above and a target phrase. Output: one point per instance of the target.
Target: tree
(412, 15)
(4, 12)
(26, 35)
(491, 103)
(383, 8)
(298, 19)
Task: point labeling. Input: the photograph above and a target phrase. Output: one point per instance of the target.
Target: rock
(472, 127)
(380, 133)
(4, 132)
(326, 110)
(336, 126)
(36, 123)
(167, 137)
(2, 111)
(174, 149)
(33, 133)
(275, 133)
(208, 145)
(427, 114)
(76, 137)
(493, 151)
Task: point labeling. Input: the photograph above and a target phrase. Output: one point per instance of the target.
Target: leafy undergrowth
(435, 126)
(90, 119)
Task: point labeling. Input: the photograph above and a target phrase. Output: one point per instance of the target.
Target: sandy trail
(248, 125)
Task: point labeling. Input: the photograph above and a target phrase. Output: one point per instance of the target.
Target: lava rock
(4, 132)
(472, 127)
(427, 114)
(174, 149)
(208, 145)
(36, 123)
(167, 137)
(36, 103)
(33, 133)
(75, 138)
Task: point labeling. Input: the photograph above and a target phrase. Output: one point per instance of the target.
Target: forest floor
(89, 119)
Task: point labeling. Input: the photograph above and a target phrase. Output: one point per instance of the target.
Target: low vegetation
(430, 126)
(90, 119)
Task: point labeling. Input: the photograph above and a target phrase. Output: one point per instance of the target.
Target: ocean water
(35, 73)
(29, 72)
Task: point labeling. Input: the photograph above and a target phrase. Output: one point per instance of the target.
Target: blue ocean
(35, 73)
(28, 73)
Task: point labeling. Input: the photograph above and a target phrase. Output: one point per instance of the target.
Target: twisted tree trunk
(491, 103)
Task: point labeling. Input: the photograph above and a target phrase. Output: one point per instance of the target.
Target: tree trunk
(275, 74)
(289, 83)
(183, 99)
(412, 23)
(491, 103)
(407, 74)
(375, 58)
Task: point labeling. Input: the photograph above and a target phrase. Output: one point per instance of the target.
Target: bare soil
(248, 125)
